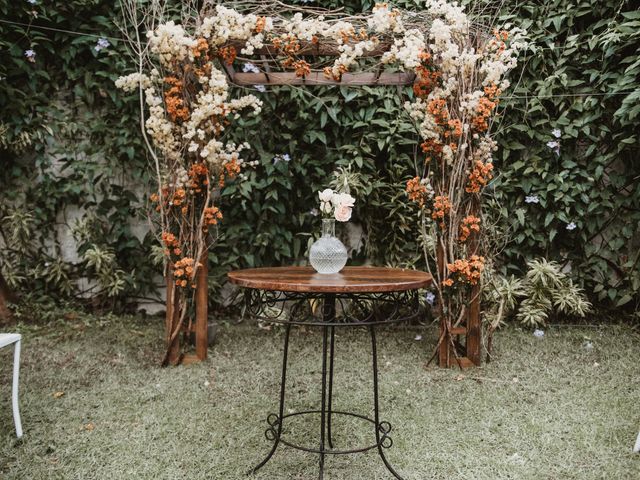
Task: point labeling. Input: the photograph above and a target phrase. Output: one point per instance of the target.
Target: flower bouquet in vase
(328, 254)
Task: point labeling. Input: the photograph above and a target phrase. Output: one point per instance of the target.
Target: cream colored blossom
(133, 81)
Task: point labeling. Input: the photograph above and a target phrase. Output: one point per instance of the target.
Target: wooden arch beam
(318, 78)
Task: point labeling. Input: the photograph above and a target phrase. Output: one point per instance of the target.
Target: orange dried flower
(180, 267)
(212, 215)
(427, 78)
(438, 108)
(432, 148)
(260, 24)
(199, 176)
(467, 270)
(201, 49)
(231, 170)
(287, 43)
(417, 191)
(480, 121)
(227, 54)
(469, 224)
(169, 239)
(479, 176)
(178, 197)
(348, 34)
(455, 129)
(173, 99)
(302, 68)
(492, 91)
(441, 208)
(502, 35)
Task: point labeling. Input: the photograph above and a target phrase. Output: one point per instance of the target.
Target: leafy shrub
(542, 292)
(573, 198)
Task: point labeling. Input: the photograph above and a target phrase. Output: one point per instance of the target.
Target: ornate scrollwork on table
(351, 309)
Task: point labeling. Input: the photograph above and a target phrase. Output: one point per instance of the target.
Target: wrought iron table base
(275, 421)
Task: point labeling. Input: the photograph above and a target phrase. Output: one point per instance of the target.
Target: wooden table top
(349, 280)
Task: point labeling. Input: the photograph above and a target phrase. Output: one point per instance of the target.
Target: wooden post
(474, 327)
(474, 323)
(200, 327)
(444, 350)
(171, 320)
(202, 287)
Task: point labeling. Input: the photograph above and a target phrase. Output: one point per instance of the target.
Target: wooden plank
(318, 78)
(202, 308)
(463, 362)
(190, 359)
(229, 70)
(310, 49)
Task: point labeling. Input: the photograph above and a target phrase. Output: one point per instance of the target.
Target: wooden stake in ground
(175, 318)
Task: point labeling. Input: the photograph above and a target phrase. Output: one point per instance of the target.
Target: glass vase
(328, 254)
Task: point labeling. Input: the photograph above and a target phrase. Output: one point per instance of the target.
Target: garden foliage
(567, 158)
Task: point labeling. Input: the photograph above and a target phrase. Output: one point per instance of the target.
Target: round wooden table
(366, 296)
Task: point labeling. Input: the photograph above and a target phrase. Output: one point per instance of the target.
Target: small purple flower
(571, 226)
(314, 212)
(556, 132)
(250, 67)
(32, 2)
(102, 43)
(281, 157)
(538, 333)
(430, 297)
(31, 55)
(531, 199)
(260, 88)
(555, 146)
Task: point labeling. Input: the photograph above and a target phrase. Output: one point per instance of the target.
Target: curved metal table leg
(323, 404)
(331, 352)
(271, 432)
(383, 427)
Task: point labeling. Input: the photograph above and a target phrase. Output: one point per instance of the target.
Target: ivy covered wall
(72, 158)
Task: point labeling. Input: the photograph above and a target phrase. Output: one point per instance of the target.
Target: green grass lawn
(545, 408)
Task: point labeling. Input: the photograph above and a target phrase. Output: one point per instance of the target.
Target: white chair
(8, 339)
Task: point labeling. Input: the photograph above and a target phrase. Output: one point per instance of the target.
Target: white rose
(344, 199)
(326, 195)
(342, 213)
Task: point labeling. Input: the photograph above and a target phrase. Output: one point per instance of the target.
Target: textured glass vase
(328, 254)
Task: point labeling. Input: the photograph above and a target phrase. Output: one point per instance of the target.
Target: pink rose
(342, 213)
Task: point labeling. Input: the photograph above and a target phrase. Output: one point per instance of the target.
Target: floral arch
(457, 70)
